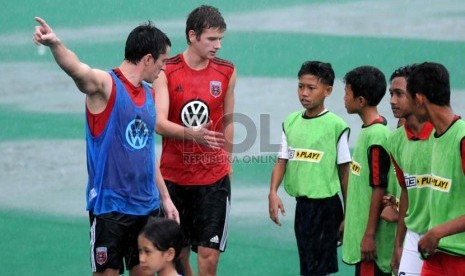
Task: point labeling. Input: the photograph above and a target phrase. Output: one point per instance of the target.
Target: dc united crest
(215, 88)
(101, 255)
(194, 113)
(137, 133)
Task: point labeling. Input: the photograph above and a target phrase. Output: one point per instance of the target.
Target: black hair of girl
(164, 233)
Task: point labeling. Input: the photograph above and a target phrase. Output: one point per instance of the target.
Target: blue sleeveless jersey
(121, 160)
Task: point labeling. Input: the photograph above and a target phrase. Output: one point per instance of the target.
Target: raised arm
(89, 81)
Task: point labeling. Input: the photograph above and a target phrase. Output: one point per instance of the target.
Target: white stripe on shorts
(92, 244)
(224, 237)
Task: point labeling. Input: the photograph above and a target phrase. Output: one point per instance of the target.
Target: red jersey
(196, 97)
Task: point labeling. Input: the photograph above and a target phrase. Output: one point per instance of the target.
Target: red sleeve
(399, 173)
(379, 163)
(462, 153)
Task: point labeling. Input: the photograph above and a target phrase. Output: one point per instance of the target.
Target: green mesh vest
(312, 144)
(448, 185)
(414, 158)
(358, 201)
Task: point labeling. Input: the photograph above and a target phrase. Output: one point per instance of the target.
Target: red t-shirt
(196, 97)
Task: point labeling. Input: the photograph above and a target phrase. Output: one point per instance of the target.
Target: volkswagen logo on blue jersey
(137, 133)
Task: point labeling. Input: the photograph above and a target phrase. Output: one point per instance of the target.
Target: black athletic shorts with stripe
(203, 212)
(316, 229)
(113, 240)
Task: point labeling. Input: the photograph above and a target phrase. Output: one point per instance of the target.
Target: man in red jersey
(195, 102)
(125, 184)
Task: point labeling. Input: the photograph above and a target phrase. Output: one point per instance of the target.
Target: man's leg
(207, 259)
(185, 263)
(213, 218)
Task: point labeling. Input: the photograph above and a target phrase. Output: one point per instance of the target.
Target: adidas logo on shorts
(215, 239)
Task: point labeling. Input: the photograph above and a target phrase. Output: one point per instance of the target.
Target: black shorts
(203, 212)
(113, 238)
(316, 229)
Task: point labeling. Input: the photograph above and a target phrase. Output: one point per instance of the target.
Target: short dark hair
(368, 82)
(164, 233)
(432, 80)
(145, 39)
(403, 71)
(322, 70)
(204, 17)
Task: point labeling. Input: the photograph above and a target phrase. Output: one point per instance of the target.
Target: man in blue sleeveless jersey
(125, 184)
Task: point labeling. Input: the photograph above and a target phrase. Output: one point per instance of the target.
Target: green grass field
(42, 159)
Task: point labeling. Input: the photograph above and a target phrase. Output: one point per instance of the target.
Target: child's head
(402, 72)
(315, 84)
(160, 243)
(323, 71)
(431, 80)
(203, 18)
(367, 82)
(401, 101)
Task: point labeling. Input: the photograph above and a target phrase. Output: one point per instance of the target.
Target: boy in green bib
(443, 245)
(314, 162)
(410, 147)
(368, 240)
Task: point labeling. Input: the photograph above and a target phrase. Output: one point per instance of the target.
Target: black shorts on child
(316, 228)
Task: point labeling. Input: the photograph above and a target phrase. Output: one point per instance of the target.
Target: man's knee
(207, 260)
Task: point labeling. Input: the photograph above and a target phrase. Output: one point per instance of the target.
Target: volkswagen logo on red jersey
(215, 88)
(194, 113)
